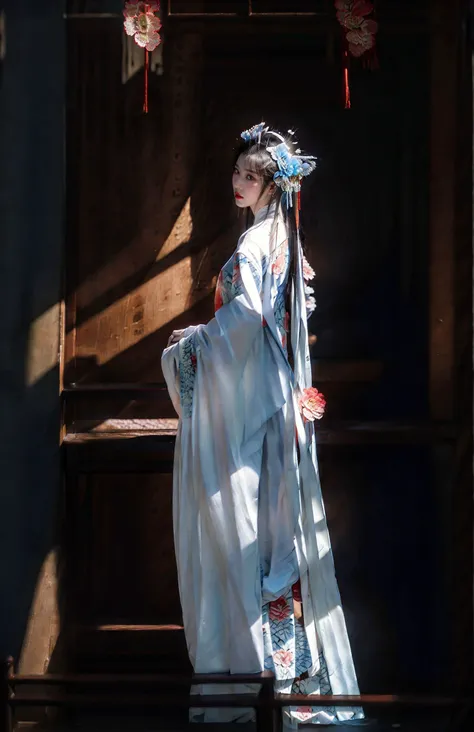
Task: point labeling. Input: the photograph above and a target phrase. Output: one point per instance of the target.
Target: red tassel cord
(347, 91)
(298, 209)
(145, 101)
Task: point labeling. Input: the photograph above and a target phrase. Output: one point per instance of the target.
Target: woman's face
(247, 186)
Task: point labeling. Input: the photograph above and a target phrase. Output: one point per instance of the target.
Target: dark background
(127, 218)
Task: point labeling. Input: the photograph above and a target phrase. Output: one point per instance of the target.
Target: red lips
(237, 195)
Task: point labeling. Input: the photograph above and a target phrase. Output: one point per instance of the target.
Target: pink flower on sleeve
(278, 266)
(304, 713)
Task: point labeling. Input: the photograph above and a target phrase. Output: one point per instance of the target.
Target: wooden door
(150, 222)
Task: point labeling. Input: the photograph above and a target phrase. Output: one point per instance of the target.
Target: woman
(255, 568)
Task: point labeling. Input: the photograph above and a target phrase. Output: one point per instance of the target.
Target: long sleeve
(230, 352)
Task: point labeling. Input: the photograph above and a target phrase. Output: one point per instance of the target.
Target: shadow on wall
(31, 183)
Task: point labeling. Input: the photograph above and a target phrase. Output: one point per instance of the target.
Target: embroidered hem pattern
(288, 655)
(187, 374)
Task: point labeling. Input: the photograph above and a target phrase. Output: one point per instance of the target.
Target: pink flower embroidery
(279, 609)
(304, 713)
(278, 266)
(141, 22)
(308, 271)
(194, 361)
(283, 658)
(312, 404)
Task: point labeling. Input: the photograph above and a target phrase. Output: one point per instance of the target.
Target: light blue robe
(248, 515)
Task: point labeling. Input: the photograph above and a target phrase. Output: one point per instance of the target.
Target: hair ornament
(292, 167)
(254, 133)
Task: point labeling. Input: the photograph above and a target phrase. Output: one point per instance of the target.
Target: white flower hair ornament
(292, 167)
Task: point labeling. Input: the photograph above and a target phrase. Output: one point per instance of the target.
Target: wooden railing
(116, 692)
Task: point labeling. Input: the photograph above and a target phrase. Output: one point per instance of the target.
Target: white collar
(265, 212)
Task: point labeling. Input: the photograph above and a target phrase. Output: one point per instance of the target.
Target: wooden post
(265, 710)
(451, 320)
(444, 22)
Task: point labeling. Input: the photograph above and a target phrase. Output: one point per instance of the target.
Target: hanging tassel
(142, 23)
(147, 63)
(347, 91)
(298, 209)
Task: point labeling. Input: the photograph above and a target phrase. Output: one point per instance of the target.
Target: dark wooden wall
(150, 222)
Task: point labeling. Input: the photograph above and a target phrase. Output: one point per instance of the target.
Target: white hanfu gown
(249, 523)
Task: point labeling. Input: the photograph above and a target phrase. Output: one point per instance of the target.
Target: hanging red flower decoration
(359, 29)
(359, 35)
(142, 23)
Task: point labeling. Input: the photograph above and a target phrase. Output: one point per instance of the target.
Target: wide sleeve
(226, 360)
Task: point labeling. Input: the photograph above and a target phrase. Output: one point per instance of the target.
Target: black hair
(259, 161)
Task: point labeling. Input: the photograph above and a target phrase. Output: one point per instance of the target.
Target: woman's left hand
(175, 337)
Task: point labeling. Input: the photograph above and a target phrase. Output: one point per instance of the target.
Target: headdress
(292, 167)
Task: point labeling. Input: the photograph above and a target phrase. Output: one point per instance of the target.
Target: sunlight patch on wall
(43, 345)
(145, 309)
(43, 623)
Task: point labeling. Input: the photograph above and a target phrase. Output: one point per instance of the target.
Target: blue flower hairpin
(291, 168)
